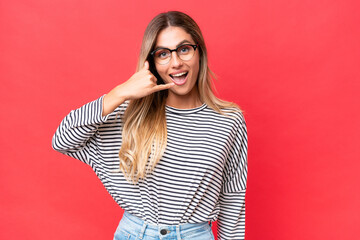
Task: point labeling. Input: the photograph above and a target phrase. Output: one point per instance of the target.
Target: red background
(293, 67)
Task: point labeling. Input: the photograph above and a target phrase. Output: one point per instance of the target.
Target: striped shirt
(201, 176)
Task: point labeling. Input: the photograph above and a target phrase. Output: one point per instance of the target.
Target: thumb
(146, 65)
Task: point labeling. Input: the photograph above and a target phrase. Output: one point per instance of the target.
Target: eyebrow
(179, 44)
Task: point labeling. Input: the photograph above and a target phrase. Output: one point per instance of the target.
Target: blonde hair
(144, 134)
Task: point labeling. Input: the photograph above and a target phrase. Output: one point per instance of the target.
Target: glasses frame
(195, 46)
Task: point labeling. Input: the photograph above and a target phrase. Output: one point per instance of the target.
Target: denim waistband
(134, 224)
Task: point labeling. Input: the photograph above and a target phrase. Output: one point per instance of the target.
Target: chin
(180, 92)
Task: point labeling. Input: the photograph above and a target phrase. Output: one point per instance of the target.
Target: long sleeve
(231, 218)
(77, 128)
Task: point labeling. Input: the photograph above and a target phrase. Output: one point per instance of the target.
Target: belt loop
(143, 228)
(210, 223)
(178, 232)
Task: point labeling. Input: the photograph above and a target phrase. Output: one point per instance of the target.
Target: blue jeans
(134, 228)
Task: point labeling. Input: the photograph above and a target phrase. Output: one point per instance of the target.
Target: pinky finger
(163, 86)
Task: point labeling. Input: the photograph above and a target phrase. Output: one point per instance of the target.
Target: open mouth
(179, 78)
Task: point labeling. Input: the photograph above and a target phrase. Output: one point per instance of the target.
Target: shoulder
(238, 119)
(231, 113)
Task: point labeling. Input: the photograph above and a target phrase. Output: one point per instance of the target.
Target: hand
(141, 84)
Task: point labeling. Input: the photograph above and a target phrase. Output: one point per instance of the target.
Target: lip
(177, 72)
(182, 82)
(179, 83)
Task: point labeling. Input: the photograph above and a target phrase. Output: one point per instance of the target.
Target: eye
(162, 53)
(185, 49)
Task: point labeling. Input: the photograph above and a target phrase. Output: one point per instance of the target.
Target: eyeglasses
(163, 55)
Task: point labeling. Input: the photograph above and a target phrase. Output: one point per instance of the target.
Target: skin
(185, 95)
(143, 82)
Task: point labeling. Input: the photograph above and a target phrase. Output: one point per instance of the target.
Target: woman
(169, 152)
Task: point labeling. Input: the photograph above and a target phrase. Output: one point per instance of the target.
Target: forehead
(170, 37)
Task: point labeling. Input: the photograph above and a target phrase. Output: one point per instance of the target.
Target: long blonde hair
(144, 133)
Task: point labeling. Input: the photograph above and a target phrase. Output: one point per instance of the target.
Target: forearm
(231, 219)
(113, 99)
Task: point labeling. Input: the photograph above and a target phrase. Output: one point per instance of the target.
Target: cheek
(196, 68)
(160, 70)
(196, 65)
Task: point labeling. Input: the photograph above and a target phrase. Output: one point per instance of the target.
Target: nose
(175, 60)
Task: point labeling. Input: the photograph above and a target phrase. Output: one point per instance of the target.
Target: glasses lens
(185, 52)
(162, 56)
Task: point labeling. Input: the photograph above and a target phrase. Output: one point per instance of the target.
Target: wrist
(120, 93)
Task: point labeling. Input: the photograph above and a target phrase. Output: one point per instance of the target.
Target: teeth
(179, 74)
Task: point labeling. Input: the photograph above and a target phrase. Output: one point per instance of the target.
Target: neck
(190, 100)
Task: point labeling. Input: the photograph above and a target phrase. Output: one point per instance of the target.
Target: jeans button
(163, 231)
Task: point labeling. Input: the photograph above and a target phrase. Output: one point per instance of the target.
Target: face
(183, 73)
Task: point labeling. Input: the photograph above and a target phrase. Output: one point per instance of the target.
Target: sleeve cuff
(102, 118)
